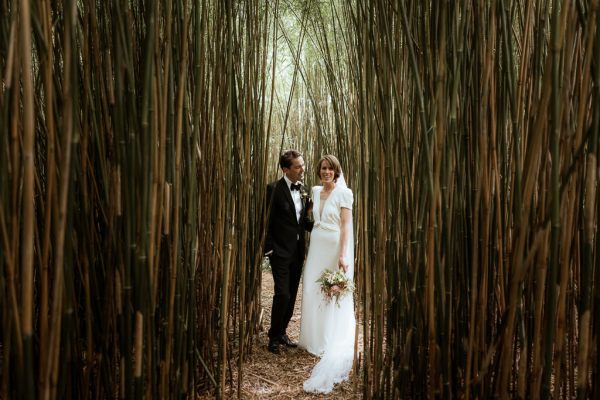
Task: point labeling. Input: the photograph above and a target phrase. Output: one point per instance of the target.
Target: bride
(327, 328)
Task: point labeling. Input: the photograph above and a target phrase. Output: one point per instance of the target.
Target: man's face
(296, 172)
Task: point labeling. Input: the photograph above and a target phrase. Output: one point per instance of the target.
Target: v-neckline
(324, 201)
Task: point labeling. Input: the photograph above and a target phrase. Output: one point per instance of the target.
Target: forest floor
(271, 376)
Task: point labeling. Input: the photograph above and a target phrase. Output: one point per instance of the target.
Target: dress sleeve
(346, 199)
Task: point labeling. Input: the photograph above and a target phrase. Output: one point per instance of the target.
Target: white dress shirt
(295, 197)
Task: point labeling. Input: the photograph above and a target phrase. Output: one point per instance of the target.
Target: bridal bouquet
(335, 285)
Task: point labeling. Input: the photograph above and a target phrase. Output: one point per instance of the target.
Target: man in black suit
(285, 244)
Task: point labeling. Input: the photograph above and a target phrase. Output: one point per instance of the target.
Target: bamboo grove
(478, 126)
(127, 209)
(470, 135)
(136, 139)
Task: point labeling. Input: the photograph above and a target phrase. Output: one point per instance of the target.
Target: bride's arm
(344, 235)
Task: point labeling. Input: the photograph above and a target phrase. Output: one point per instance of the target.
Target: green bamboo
(583, 385)
(467, 131)
(27, 246)
(555, 198)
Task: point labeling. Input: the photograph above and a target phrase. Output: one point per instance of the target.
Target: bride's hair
(334, 163)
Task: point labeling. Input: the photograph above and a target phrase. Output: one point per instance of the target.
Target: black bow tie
(295, 186)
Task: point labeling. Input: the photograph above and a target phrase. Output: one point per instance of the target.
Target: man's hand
(309, 204)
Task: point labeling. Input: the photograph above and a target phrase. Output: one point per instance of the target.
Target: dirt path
(270, 376)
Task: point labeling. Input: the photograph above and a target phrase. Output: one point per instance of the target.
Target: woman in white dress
(327, 328)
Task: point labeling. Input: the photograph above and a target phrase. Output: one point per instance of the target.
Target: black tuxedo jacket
(284, 233)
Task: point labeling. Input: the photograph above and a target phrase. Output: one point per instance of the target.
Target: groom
(284, 244)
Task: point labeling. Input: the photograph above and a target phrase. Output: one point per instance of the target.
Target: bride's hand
(342, 264)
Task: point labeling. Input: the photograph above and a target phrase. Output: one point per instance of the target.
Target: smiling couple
(327, 328)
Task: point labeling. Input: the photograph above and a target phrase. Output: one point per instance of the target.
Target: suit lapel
(282, 186)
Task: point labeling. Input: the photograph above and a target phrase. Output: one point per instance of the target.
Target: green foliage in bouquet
(335, 285)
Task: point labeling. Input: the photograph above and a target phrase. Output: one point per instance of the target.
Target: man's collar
(289, 182)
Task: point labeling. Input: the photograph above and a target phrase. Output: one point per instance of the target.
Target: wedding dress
(327, 329)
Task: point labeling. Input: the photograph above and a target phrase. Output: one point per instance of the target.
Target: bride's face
(326, 172)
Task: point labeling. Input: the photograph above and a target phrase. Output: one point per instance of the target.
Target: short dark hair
(333, 162)
(286, 158)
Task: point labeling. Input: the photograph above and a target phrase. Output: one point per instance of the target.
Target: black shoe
(284, 339)
(273, 346)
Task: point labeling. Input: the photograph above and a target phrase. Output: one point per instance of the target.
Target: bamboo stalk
(550, 328)
(173, 270)
(51, 166)
(27, 245)
(51, 368)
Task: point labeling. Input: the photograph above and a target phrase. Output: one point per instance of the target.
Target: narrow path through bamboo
(269, 376)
